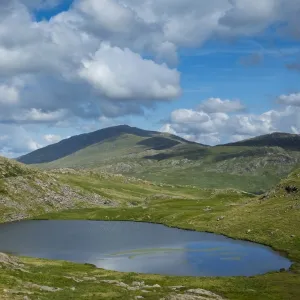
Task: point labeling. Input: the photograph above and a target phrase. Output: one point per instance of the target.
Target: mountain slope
(25, 192)
(125, 149)
(277, 139)
(253, 165)
(76, 143)
(253, 169)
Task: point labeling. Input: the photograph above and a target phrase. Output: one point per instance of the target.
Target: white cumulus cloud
(218, 105)
(52, 138)
(213, 126)
(120, 74)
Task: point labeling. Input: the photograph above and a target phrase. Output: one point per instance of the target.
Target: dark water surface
(139, 247)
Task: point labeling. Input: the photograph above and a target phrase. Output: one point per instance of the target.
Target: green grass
(129, 190)
(271, 286)
(10, 168)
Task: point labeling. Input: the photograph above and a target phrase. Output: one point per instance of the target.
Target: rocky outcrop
(8, 261)
(34, 194)
(194, 294)
(177, 294)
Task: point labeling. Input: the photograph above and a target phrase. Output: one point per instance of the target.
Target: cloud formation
(112, 58)
(291, 99)
(52, 138)
(217, 126)
(217, 105)
(120, 75)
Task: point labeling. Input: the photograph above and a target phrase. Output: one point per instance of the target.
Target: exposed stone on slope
(192, 294)
(9, 261)
(196, 294)
(24, 196)
(205, 293)
(42, 287)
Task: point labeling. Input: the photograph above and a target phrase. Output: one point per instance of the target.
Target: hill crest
(76, 143)
(284, 140)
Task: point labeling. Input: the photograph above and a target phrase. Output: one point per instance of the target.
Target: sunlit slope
(254, 169)
(126, 147)
(25, 192)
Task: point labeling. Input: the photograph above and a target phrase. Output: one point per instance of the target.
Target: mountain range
(253, 165)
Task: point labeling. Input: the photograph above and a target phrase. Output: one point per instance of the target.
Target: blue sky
(47, 13)
(210, 72)
(216, 70)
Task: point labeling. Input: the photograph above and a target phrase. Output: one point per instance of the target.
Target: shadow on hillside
(158, 143)
(191, 155)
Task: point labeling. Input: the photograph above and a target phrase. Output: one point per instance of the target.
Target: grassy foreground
(272, 219)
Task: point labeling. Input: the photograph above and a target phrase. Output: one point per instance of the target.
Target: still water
(139, 247)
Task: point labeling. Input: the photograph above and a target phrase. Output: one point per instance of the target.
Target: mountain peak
(284, 140)
(75, 143)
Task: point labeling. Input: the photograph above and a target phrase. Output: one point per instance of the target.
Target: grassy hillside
(26, 192)
(164, 160)
(272, 219)
(253, 165)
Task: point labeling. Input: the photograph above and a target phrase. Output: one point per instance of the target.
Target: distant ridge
(277, 139)
(75, 143)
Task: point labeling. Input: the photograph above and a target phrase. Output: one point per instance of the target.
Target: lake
(139, 247)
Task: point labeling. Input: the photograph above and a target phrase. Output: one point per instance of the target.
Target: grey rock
(205, 293)
(89, 278)
(194, 294)
(43, 287)
(207, 209)
(9, 260)
(16, 292)
(138, 283)
(176, 287)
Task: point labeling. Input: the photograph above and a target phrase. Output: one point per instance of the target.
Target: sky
(210, 71)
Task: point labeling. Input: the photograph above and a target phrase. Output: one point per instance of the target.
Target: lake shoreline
(207, 240)
(279, 251)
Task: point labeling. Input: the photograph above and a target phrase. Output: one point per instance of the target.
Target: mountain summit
(76, 143)
(277, 139)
